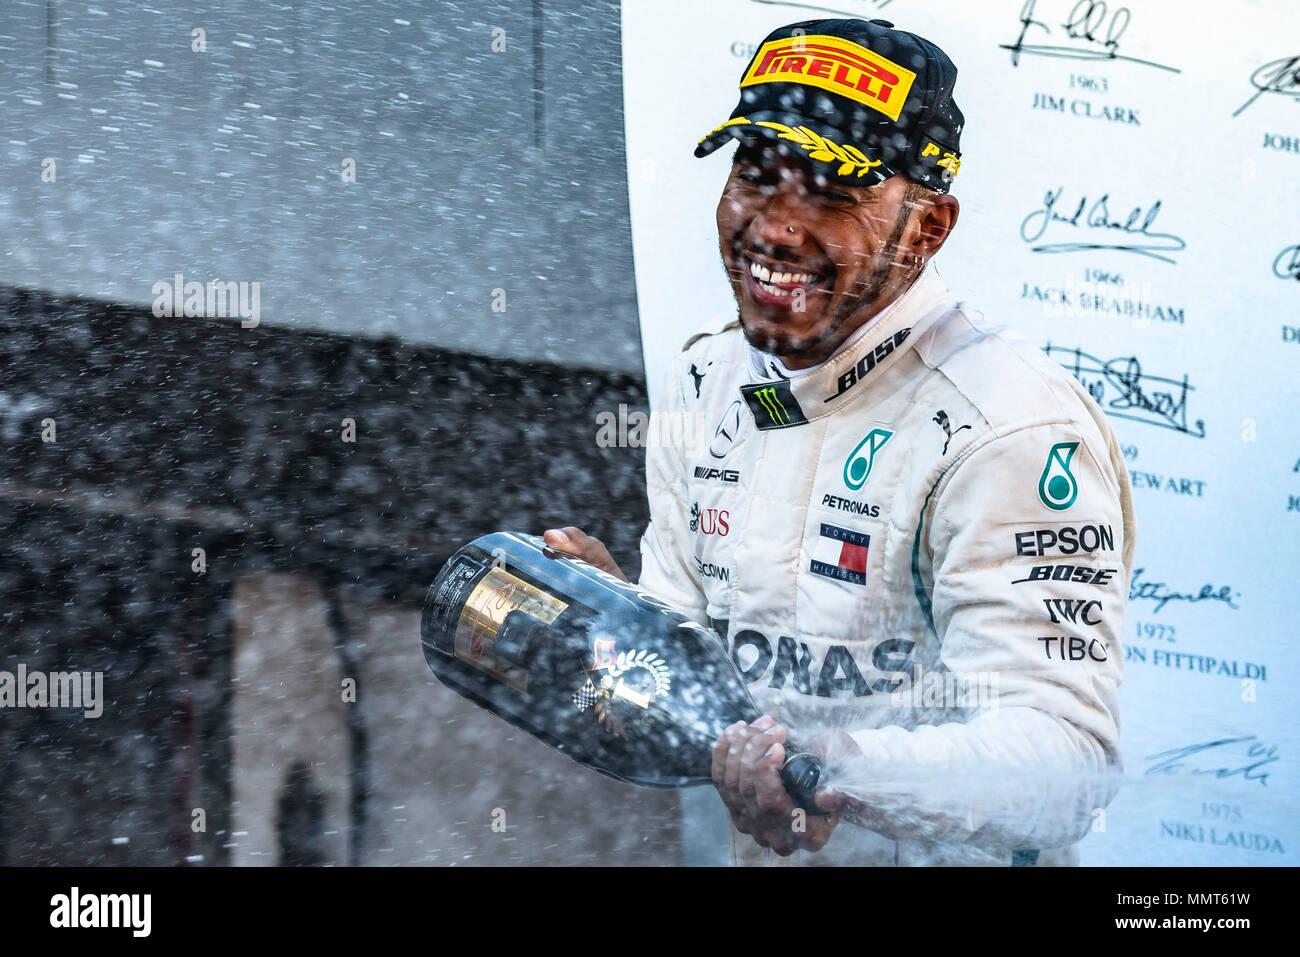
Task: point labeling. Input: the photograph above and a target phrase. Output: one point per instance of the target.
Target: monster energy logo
(1056, 486)
(773, 405)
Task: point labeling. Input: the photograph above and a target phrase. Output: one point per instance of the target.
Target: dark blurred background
(483, 177)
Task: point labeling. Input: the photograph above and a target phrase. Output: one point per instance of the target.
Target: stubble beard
(851, 301)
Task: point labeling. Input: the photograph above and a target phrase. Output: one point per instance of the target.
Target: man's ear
(937, 221)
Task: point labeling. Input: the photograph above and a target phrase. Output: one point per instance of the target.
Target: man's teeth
(767, 277)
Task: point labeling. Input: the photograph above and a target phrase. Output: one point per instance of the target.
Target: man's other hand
(747, 760)
(574, 541)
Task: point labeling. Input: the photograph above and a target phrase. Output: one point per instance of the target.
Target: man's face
(810, 260)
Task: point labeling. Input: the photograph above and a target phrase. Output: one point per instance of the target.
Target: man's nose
(782, 219)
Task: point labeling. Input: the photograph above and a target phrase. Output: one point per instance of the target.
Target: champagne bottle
(591, 665)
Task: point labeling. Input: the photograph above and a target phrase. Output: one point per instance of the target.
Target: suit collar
(823, 390)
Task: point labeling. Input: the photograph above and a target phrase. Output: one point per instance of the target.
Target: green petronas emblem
(858, 465)
(1057, 487)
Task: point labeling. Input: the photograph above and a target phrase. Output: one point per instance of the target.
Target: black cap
(862, 100)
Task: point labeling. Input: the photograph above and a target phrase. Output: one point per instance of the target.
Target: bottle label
(496, 595)
(450, 596)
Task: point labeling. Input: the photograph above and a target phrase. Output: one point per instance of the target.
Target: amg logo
(721, 572)
(1061, 610)
(1082, 574)
(1067, 540)
(730, 476)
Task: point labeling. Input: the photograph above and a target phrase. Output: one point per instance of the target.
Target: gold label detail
(627, 691)
(496, 595)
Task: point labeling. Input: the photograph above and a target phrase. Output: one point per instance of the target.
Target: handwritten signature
(1159, 593)
(1285, 268)
(1257, 756)
(1124, 376)
(1097, 216)
(1281, 76)
(1087, 22)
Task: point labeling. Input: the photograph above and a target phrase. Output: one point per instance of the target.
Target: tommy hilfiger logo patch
(840, 553)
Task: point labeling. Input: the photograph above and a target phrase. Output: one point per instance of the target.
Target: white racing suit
(926, 542)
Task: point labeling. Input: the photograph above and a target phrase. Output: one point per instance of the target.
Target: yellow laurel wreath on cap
(818, 147)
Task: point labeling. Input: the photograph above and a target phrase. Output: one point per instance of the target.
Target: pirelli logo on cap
(835, 65)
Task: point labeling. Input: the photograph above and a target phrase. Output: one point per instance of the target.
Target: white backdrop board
(1130, 200)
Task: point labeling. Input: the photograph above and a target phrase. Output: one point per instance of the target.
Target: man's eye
(835, 197)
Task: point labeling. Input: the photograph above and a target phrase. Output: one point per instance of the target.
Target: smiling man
(828, 258)
(912, 530)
